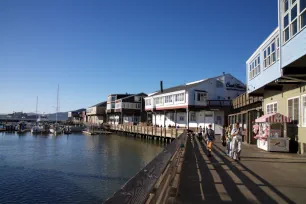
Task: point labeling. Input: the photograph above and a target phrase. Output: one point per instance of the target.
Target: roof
(79, 110)
(132, 95)
(99, 104)
(273, 118)
(179, 88)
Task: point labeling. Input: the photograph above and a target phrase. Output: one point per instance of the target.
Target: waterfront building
(194, 104)
(126, 108)
(277, 69)
(77, 116)
(96, 114)
(245, 109)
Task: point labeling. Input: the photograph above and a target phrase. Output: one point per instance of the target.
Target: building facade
(77, 116)
(194, 104)
(96, 114)
(277, 69)
(126, 108)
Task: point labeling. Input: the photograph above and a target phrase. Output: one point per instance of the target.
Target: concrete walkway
(260, 176)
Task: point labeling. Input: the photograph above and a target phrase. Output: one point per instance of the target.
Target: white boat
(56, 130)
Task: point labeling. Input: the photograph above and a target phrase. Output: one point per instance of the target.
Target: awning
(273, 118)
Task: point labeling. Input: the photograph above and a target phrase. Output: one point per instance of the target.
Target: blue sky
(95, 48)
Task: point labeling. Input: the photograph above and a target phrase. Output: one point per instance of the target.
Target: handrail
(138, 188)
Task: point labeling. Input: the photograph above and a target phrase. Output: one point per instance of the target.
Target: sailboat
(56, 129)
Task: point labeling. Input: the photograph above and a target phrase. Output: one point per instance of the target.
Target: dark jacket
(210, 135)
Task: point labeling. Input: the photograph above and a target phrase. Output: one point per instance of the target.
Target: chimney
(161, 86)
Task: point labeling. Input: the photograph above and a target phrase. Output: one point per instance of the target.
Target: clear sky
(95, 48)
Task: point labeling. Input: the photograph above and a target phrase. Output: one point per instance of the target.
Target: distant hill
(52, 116)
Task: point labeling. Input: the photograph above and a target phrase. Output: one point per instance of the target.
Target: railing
(219, 102)
(149, 183)
(149, 130)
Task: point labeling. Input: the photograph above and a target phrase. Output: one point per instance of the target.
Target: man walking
(236, 142)
(200, 133)
(210, 137)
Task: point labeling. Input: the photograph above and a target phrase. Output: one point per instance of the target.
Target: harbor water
(69, 168)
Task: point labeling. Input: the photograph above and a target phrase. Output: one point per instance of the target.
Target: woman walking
(236, 142)
(229, 141)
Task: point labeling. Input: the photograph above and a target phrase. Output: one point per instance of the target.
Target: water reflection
(69, 168)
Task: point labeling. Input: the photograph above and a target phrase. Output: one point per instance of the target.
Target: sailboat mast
(36, 106)
(57, 102)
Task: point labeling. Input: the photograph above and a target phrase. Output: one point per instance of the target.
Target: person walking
(210, 138)
(200, 133)
(229, 141)
(236, 142)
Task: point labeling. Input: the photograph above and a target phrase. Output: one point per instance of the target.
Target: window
(271, 108)
(293, 110)
(254, 67)
(168, 99)
(171, 116)
(293, 18)
(193, 116)
(201, 97)
(179, 97)
(181, 118)
(158, 100)
(303, 13)
(148, 102)
(137, 98)
(304, 110)
(113, 106)
(137, 105)
(271, 53)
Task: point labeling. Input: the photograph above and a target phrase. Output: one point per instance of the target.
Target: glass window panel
(277, 42)
(290, 106)
(273, 47)
(275, 108)
(286, 5)
(296, 109)
(286, 34)
(293, 1)
(303, 19)
(294, 12)
(265, 54)
(269, 50)
(273, 57)
(258, 59)
(294, 27)
(286, 21)
(304, 110)
(302, 5)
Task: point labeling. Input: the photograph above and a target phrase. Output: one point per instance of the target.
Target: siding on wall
(282, 103)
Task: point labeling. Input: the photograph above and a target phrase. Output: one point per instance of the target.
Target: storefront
(271, 132)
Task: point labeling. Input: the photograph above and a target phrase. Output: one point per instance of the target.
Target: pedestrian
(229, 141)
(200, 133)
(236, 142)
(210, 138)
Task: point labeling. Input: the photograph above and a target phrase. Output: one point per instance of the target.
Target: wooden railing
(150, 183)
(219, 103)
(149, 130)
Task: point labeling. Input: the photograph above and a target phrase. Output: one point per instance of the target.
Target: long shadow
(189, 188)
(228, 183)
(280, 162)
(262, 196)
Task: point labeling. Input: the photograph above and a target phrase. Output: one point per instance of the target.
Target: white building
(194, 104)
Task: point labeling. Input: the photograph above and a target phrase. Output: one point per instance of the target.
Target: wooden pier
(158, 181)
(148, 132)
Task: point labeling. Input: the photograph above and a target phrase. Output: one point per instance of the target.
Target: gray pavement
(260, 176)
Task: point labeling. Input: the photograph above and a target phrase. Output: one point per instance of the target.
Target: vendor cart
(271, 132)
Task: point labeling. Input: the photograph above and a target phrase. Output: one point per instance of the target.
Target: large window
(193, 116)
(254, 67)
(168, 99)
(148, 102)
(158, 100)
(304, 110)
(293, 109)
(271, 108)
(271, 53)
(303, 13)
(294, 19)
(179, 97)
(201, 97)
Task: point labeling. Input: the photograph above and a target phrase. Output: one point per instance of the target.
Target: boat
(56, 129)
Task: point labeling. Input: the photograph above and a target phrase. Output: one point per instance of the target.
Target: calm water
(68, 169)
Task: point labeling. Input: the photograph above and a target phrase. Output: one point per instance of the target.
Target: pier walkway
(260, 176)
